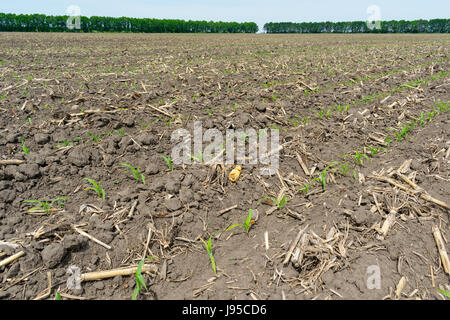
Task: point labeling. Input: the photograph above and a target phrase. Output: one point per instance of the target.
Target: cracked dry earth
(363, 179)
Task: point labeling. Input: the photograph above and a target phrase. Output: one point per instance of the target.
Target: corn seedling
(358, 156)
(168, 160)
(433, 113)
(421, 120)
(305, 121)
(58, 296)
(169, 122)
(301, 120)
(244, 136)
(24, 147)
(120, 133)
(375, 151)
(199, 158)
(135, 172)
(274, 127)
(261, 132)
(323, 177)
(95, 138)
(443, 107)
(140, 282)
(208, 246)
(445, 293)
(294, 122)
(209, 111)
(280, 204)
(247, 222)
(46, 205)
(306, 187)
(320, 114)
(96, 187)
(66, 143)
(401, 134)
(143, 125)
(388, 141)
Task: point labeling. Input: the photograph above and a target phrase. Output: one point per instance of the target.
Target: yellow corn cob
(235, 173)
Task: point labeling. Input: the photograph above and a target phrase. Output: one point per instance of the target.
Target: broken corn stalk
(235, 173)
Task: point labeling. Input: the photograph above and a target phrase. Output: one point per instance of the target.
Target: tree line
(393, 26)
(44, 23)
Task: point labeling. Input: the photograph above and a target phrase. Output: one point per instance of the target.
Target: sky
(259, 11)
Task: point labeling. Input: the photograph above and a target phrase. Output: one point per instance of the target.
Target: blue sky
(259, 11)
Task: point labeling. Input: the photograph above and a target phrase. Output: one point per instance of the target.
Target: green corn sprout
(345, 168)
(96, 187)
(421, 119)
(135, 172)
(140, 282)
(358, 156)
(208, 246)
(120, 133)
(323, 178)
(374, 151)
(320, 113)
(46, 205)
(247, 222)
(305, 188)
(66, 143)
(199, 158)
(143, 125)
(445, 293)
(209, 111)
(169, 122)
(168, 160)
(95, 138)
(24, 147)
(387, 140)
(280, 204)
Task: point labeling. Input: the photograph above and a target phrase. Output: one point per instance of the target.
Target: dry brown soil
(76, 106)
